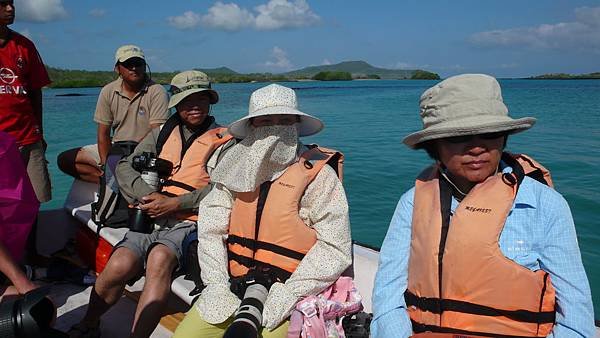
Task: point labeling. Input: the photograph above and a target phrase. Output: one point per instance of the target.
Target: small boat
(57, 226)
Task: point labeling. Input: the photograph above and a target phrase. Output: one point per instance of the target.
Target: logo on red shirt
(7, 75)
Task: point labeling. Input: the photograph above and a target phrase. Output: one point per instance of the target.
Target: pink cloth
(18, 203)
(321, 316)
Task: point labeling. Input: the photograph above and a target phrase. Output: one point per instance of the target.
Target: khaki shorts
(34, 157)
(172, 238)
(92, 151)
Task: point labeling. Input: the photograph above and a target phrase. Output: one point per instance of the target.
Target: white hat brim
(469, 126)
(175, 99)
(308, 125)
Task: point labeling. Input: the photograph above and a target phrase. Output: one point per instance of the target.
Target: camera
(152, 168)
(29, 315)
(248, 317)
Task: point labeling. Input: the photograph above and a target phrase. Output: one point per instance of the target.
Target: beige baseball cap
(127, 52)
(189, 82)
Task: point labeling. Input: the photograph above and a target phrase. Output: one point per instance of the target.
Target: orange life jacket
(480, 292)
(189, 164)
(264, 226)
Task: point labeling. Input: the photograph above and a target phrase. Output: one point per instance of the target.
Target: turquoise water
(367, 121)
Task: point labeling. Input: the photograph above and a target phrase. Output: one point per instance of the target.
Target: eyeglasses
(133, 63)
(469, 138)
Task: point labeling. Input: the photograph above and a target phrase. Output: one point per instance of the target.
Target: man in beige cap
(127, 108)
(188, 144)
(482, 245)
(275, 227)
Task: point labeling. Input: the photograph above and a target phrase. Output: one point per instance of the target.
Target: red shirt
(21, 70)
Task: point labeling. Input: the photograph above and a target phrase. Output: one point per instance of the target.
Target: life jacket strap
(251, 243)
(178, 184)
(421, 328)
(248, 262)
(437, 305)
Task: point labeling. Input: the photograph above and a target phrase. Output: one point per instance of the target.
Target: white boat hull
(77, 206)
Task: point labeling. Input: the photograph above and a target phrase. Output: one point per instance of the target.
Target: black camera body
(255, 288)
(29, 316)
(152, 168)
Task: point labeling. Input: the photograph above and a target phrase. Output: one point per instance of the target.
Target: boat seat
(78, 204)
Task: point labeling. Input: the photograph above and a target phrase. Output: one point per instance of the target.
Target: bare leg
(79, 163)
(159, 269)
(122, 266)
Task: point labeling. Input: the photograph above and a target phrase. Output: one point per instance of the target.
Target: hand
(25, 286)
(278, 306)
(157, 204)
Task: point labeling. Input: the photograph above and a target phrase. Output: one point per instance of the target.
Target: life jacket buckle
(308, 309)
(509, 179)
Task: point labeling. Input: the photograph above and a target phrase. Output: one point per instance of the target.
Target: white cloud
(40, 10)
(326, 62)
(274, 15)
(281, 60)
(187, 20)
(228, 17)
(97, 12)
(277, 14)
(583, 33)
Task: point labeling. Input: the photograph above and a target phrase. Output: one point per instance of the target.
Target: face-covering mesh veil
(260, 157)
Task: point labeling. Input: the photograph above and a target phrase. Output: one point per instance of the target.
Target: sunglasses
(469, 138)
(133, 63)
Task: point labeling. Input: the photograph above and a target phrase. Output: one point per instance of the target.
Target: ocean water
(367, 120)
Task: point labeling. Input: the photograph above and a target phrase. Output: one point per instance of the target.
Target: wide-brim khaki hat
(189, 82)
(275, 99)
(127, 52)
(468, 104)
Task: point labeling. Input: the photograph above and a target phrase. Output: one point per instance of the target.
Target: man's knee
(161, 261)
(66, 161)
(122, 266)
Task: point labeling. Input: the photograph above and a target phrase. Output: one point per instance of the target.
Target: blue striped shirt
(539, 233)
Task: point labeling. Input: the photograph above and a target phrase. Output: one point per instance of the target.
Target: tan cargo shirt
(131, 119)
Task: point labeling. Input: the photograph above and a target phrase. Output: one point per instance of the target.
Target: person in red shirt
(22, 75)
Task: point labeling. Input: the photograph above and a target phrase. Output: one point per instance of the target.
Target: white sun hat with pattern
(467, 104)
(275, 99)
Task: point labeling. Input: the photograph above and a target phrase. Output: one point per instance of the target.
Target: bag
(321, 316)
(111, 208)
(191, 266)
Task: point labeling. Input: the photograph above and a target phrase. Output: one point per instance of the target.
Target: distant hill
(67, 78)
(218, 71)
(356, 68)
(563, 76)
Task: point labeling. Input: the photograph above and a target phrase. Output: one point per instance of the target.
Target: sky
(509, 38)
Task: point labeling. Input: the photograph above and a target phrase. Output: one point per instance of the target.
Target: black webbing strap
(248, 262)
(250, 243)
(436, 305)
(165, 132)
(178, 184)
(445, 209)
(420, 328)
